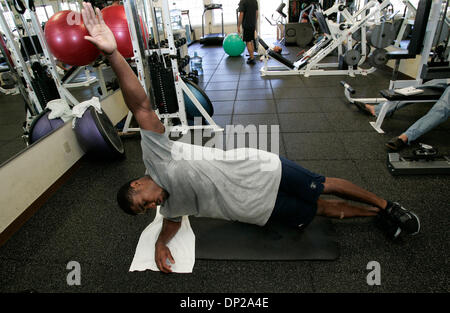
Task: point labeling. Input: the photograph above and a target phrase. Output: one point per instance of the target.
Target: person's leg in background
(438, 114)
(249, 37)
(251, 50)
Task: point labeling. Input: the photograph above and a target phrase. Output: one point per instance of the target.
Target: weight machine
(410, 12)
(425, 26)
(70, 78)
(309, 11)
(339, 35)
(161, 80)
(425, 160)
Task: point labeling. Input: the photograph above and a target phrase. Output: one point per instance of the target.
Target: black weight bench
(275, 55)
(429, 94)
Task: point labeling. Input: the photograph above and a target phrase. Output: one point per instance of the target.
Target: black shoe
(387, 225)
(251, 61)
(395, 144)
(405, 219)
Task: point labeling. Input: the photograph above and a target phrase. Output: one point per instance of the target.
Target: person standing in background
(248, 17)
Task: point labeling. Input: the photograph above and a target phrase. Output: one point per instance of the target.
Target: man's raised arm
(134, 95)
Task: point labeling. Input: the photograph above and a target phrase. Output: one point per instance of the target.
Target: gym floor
(320, 130)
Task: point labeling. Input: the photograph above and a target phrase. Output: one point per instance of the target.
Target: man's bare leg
(347, 190)
(395, 218)
(342, 209)
(251, 49)
(371, 108)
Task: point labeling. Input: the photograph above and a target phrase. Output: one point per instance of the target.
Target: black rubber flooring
(320, 130)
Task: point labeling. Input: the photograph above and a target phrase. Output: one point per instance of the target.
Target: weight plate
(378, 57)
(305, 34)
(352, 57)
(382, 36)
(358, 48)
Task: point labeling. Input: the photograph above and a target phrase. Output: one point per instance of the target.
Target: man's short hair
(125, 197)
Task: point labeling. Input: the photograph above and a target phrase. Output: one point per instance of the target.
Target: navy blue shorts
(296, 203)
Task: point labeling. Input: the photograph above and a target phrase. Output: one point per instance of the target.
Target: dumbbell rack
(140, 57)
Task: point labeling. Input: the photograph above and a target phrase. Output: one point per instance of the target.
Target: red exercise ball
(116, 19)
(64, 33)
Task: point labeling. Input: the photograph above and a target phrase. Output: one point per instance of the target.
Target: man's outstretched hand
(162, 254)
(100, 34)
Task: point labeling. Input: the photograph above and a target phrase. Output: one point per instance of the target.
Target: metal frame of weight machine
(432, 24)
(140, 58)
(339, 35)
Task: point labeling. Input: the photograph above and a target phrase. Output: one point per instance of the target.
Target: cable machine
(158, 70)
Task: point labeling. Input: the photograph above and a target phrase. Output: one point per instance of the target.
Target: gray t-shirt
(237, 185)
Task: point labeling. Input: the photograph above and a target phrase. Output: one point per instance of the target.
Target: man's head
(139, 195)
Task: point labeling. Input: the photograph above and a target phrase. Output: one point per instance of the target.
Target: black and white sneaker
(405, 219)
(251, 61)
(387, 225)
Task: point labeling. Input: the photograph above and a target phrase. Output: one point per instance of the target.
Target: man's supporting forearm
(169, 229)
(132, 91)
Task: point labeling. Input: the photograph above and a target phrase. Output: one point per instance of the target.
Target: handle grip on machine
(348, 87)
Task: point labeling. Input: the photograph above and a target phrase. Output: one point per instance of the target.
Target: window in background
(229, 12)
(195, 8)
(267, 9)
(70, 6)
(42, 13)
(398, 6)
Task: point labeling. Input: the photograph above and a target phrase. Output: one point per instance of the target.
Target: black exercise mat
(225, 240)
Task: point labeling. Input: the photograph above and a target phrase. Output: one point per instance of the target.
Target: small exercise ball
(116, 19)
(97, 136)
(64, 33)
(202, 97)
(42, 125)
(233, 45)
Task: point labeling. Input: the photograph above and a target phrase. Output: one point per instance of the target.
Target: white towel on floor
(182, 247)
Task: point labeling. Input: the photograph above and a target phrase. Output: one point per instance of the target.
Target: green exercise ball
(233, 45)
